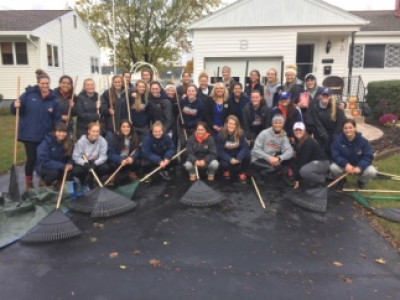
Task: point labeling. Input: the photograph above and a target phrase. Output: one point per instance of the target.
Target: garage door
(214, 65)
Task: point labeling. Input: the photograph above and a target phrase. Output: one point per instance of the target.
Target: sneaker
(192, 177)
(132, 176)
(360, 184)
(242, 177)
(210, 177)
(226, 175)
(165, 175)
(290, 172)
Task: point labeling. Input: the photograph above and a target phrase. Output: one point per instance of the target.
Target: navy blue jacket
(37, 115)
(192, 112)
(156, 150)
(50, 154)
(228, 149)
(115, 147)
(358, 152)
(236, 108)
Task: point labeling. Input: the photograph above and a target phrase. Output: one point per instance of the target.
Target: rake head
(109, 204)
(85, 203)
(314, 199)
(201, 195)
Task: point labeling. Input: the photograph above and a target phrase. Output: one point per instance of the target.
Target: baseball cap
(285, 95)
(326, 91)
(299, 125)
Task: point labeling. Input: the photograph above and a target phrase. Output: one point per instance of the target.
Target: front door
(304, 60)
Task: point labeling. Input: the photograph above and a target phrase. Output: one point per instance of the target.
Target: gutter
(28, 36)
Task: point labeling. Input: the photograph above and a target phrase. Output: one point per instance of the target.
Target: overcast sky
(61, 4)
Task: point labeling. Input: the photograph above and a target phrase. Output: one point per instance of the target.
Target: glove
(87, 166)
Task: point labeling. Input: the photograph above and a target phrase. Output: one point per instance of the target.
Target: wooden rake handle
(389, 175)
(16, 122)
(258, 193)
(60, 193)
(128, 107)
(93, 172)
(159, 168)
(371, 191)
(337, 180)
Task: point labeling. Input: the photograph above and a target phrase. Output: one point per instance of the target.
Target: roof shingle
(380, 20)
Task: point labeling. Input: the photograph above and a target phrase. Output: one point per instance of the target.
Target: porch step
(349, 113)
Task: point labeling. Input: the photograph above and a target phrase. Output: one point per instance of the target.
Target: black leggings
(51, 175)
(239, 168)
(30, 150)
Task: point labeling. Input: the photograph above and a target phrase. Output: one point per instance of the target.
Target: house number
(244, 44)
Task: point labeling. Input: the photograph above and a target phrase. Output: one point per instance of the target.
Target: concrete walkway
(370, 132)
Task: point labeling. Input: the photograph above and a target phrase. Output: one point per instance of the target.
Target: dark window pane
(49, 56)
(374, 56)
(21, 53)
(56, 64)
(75, 21)
(7, 54)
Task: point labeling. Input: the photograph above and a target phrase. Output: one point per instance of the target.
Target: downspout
(351, 59)
(62, 46)
(28, 37)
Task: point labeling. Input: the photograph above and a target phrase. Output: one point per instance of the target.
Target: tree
(153, 31)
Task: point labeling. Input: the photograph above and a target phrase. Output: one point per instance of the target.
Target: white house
(57, 41)
(315, 35)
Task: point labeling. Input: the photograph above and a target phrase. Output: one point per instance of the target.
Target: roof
(27, 20)
(277, 13)
(380, 20)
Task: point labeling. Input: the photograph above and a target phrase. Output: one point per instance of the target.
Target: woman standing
(139, 113)
(120, 147)
(204, 90)
(233, 151)
(201, 152)
(94, 147)
(87, 107)
(311, 164)
(272, 88)
(64, 97)
(39, 112)
(352, 154)
(254, 83)
(227, 80)
(192, 109)
(181, 90)
(54, 155)
(292, 85)
(216, 107)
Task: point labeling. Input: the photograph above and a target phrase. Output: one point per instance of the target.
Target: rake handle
(93, 172)
(60, 193)
(127, 101)
(388, 174)
(181, 116)
(159, 168)
(337, 180)
(16, 122)
(197, 171)
(111, 105)
(258, 192)
(371, 191)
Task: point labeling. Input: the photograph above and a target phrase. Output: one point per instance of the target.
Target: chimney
(397, 9)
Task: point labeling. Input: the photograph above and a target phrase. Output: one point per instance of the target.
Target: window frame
(15, 58)
(94, 65)
(53, 60)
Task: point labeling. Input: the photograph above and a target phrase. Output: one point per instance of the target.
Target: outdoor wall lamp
(328, 46)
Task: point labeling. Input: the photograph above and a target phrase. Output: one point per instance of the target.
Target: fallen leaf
(364, 256)
(93, 239)
(155, 262)
(380, 261)
(165, 243)
(113, 255)
(347, 279)
(337, 264)
(123, 267)
(136, 252)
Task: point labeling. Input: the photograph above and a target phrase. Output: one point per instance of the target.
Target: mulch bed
(389, 141)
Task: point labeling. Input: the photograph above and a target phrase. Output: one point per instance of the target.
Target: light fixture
(328, 46)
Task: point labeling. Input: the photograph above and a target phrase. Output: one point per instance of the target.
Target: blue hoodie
(50, 154)
(192, 112)
(37, 115)
(155, 150)
(228, 148)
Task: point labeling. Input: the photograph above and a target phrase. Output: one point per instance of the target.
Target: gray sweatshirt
(96, 151)
(268, 144)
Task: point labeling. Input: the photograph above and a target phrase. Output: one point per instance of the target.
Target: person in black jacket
(181, 90)
(139, 110)
(87, 107)
(201, 152)
(226, 79)
(233, 151)
(327, 120)
(254, 83)
(237, 101)
(192, 110)
(123, 151)
(64, 96)
(256, 117)
(204, 90)
(160, 109)
(311, 164)
(157, 150)
(216, 108)
(292, 85)
(54, 155)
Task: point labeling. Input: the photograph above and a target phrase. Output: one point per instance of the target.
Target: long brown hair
(237, 134)
(67, 144)
(133, 136)
(139, 99)
(111, 90)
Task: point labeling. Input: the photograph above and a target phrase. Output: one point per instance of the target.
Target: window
(52, 56)
(94, 65)
(374, 56)
(14, 53)
(75, 22)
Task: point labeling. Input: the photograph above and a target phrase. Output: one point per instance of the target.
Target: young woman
(94, 147)
(160, 108)
(272, 88)
(227, 80)
(139, 110)
(292, 85)
(327, 120)
(289, 111)
(157, 150)
(233, 151)
(201, 152)
(64, 96)
(181, 90)
(39, 112)
(353, 154)
(204, 90)
(272, 150)
(147, 76)
(120, 148)
(87, 107)
(54, 155)
(113, 105)
(216, 107)
(237, 101)
(254, 83)
(311, 164)
(256, 117)
(192, 109)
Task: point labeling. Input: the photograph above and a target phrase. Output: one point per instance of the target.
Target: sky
(61, 4)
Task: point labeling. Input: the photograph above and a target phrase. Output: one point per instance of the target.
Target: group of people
(295, 129)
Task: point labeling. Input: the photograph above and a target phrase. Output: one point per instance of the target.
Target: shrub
(5, 110)
(384, 98)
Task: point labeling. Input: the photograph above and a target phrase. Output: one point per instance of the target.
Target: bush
(5, 110)
(384, 98)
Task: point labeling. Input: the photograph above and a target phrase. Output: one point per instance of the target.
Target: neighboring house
(251, 34)
(56, 41)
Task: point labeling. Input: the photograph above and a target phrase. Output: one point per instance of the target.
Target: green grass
(7, 125)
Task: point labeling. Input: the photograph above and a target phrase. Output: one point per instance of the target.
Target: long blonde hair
(226, 92)
(238, 131)
(139, 99)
